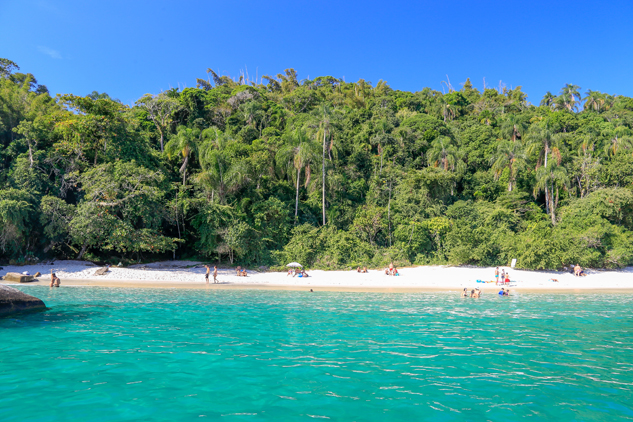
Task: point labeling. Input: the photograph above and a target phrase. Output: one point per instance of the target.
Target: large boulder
(12, 301)
(19, 278)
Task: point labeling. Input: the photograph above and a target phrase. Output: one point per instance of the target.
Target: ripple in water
(104, 354)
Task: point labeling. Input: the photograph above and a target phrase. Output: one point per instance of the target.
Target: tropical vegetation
(329, 173)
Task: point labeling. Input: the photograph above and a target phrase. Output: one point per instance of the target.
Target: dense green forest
(329, 173)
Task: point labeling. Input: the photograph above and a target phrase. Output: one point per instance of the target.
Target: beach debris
(12, 301)
(102, 271)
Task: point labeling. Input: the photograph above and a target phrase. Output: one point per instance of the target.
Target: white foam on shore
(414, 277)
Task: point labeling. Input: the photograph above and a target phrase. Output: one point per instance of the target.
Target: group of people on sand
(241, 272)
(473, 293)
(578, 271)
(504, 279)
(297, 272)
(363, 270)
(391, 270)
(215, 273)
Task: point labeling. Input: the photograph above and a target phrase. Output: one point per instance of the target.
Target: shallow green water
(102, 354)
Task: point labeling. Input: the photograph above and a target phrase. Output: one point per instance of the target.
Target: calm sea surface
(107, 354)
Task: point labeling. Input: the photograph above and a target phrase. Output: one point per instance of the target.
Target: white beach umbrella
(294, 265)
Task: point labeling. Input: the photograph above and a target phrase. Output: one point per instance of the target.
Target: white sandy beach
(191, 274)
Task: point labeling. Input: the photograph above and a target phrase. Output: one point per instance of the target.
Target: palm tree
(509, 155)
(513, 127)
(444, 153)
(593, 100)
(552, 176)
(326, 115)
(300, 152)
(548, 100)
(540, 138)
(619, 141)
(184, 143)
(571, 96)
(219, 172)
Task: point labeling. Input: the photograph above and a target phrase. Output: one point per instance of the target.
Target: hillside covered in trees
(325, 172)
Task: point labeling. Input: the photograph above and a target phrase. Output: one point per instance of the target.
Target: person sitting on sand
(395, 271)
(387, 271)
(578, 272)
(358, 270)
(304, 274)
(244, 273)
(365, 270)
(465, 292)
(238, 270)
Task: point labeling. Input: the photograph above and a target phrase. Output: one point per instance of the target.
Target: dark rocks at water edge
(13, 301)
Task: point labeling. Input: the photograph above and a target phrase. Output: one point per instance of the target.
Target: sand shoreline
(136, 284)
(190, 275)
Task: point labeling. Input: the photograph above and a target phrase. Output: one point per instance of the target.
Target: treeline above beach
(325, 172)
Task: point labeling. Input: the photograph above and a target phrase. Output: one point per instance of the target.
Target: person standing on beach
(497, 275)
(206, 275)
(215, 274)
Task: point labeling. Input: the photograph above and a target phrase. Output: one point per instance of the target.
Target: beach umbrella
(294, 265)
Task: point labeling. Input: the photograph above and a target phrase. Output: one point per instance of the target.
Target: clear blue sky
(129, 48)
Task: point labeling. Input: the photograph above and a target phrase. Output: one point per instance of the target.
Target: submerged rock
(12, 301)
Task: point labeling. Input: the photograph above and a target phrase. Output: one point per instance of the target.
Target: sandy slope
(433, 277)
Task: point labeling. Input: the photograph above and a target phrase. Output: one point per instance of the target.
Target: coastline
(190, 275)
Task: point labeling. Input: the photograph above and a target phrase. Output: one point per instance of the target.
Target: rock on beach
(13, 301)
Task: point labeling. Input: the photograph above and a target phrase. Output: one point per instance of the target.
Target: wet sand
(160, 284)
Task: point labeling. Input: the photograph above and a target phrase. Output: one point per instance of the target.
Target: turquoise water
(107, 354)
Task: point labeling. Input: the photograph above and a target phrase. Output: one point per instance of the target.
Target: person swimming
(465, 292)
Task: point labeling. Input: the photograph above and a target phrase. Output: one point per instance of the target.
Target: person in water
(476, 293)
(502, 292)
(465, 292)
(54, 280)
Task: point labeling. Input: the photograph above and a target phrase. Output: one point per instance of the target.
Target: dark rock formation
(12, 301)
(19, 278)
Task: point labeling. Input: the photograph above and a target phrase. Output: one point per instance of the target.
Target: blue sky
(129, 48)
